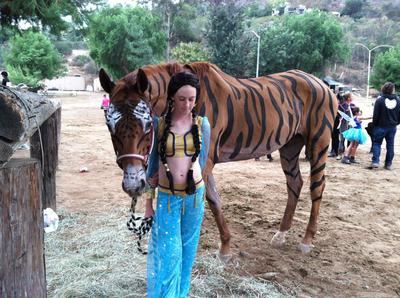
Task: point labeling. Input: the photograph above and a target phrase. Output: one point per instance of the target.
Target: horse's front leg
(214, 201)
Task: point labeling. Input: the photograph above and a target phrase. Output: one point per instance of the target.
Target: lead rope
(139, 225)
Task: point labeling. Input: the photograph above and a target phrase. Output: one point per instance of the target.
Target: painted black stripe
(253, 99)
(202, 110)
(158, 90)
(318, 170)
(213, 101)
(320, 155)
(238, 146)
(249, 120)
(164, 82)
(291, 126)
(257, 83)
(317, 199)
(306, 78)
(296, 195)
(279, 111)
(216, 153)
(231, 116)
(269, 141)
(316, 184)
(279, 86)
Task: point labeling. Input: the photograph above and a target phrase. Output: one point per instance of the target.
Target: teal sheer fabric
(173, 244)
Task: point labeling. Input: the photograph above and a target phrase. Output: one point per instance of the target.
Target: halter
(143, 158)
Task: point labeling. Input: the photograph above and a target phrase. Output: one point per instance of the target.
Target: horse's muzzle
(134, 180)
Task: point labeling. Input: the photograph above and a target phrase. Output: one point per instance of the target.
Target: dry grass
(95, 256)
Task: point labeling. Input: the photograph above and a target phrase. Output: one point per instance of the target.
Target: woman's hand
(153, 181)
(149, 212)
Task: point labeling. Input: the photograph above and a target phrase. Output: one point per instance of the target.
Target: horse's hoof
(305, 248)
(279, 239)
(224, 258)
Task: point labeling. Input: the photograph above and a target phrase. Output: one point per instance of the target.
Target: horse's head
(130, 123)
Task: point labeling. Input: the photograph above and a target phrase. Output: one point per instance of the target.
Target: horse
(249, 118)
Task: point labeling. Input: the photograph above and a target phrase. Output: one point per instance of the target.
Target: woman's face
(184, 100)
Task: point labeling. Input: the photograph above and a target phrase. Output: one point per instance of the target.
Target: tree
(353, 8)
(228, 46)
(45, 13)
(122, 39)
(387, 68)
(31, 58)
(189, 52)
(305, 42)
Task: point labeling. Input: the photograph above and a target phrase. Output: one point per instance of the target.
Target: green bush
(64, 47)
(31, 58)
(80, 60)
(189, 52)
(91, 68)
(386, 68)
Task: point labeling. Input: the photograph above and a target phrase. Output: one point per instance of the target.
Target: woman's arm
(205, 148)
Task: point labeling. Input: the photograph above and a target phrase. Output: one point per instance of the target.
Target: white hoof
(279, 239)
(224, 258)
(305, 248)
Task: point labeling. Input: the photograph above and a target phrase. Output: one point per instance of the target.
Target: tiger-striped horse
(249, 118)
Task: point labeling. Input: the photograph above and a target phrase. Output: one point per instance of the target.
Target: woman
(175, 166)
(385, 119)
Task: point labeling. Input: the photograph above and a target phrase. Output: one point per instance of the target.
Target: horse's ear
(142, 81)
(105, 81)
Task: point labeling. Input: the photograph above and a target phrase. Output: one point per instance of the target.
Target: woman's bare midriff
(179, 167)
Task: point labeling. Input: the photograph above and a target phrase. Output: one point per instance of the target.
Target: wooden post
(48, 140)
(22, 270)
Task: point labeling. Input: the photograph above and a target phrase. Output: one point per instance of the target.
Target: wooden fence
(27, 186)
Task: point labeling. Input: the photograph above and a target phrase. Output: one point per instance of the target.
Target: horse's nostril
(143, 183)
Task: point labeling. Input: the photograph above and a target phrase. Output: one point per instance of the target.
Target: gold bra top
(180, 145)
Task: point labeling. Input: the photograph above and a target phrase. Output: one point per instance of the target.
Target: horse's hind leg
(317, 184)
(214, 201)
(290, 164)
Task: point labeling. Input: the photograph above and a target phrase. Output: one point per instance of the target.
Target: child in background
(105, 103)
(355, 135)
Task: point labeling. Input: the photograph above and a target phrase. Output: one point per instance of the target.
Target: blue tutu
(355, 134)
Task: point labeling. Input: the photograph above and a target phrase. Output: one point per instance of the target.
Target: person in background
(345, 107)
(335, 132)
(5, 79)
(355, 135)
(105, 103)
(385, 119)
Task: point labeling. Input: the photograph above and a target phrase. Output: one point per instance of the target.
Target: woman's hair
(178, 81)
(355, 110)
(346, 96)
(387, 88)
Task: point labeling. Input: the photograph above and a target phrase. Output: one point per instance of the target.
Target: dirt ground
(357, 245)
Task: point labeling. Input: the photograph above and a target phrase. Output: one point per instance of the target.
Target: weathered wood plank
(22, 272)
(49, 137)
(21, 113)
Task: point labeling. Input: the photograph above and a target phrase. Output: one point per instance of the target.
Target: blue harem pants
(173, 244)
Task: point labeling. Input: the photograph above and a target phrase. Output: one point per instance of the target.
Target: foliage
(189, 52)
(80, 60)
(45, 13)
(387, 68)
(31, 58)
(392, 11)
(305, 42)
(91, 68)
(228, 46)
(122, 39)
(64, 47)
(256, 10)
(353, 8)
